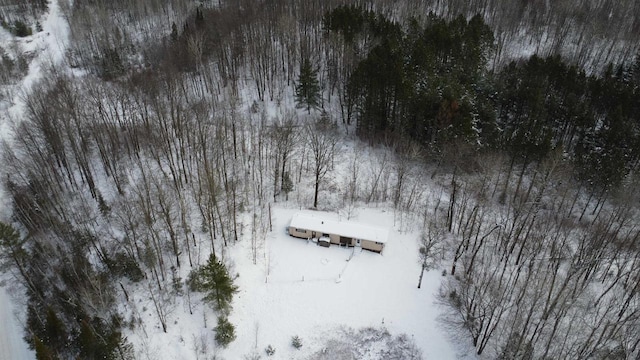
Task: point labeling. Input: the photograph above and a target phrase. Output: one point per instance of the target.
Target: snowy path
(12, 346)
(49, 47)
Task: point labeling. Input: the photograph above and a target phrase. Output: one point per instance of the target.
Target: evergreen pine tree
(213, 278)
(11, 250)
(55, 330)
(296, 342)
(174, 32)
(307, 88)
(42, 351)
(287, 184)
(199, 15)
(225, 331)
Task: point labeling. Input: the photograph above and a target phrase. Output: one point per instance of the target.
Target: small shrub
(103, 206)
(123, 265)
(296, 342)
(225, 332)
(270, 350)
(252, 356)
(111, 64)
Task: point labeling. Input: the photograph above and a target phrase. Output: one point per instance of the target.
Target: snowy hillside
(154, 153)
(48, 49)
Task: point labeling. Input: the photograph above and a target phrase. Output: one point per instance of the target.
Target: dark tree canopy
(307, 87)
(213, 278)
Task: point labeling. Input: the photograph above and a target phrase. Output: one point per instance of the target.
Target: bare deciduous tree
(322, 142)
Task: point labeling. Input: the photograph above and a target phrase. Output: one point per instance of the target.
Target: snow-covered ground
(295, 287)
(48, 48)
(12, 346)
(298, 288)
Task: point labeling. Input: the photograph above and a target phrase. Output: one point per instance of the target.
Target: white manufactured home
(345, 233)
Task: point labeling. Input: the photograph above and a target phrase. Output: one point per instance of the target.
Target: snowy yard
(12, 347)
(368, 290)
(313, 292)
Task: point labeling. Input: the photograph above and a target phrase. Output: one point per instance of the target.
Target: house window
(301, 230)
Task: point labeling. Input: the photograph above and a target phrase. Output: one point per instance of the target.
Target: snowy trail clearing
(12, 346)
(49, 47)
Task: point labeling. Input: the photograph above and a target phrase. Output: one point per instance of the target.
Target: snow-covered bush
(296, 342)
(225, 332)
(252, 356)
(368, 343)
(270, 350)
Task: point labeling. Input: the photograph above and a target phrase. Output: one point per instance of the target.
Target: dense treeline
(128, 177)
(546, 104)
(430, 85)
(535, 271)
(421, 84)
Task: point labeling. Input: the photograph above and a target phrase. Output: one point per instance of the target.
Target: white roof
(318, 223)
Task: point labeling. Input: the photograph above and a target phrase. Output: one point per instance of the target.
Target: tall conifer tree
(307, 87)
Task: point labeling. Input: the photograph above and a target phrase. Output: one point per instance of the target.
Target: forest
(508, 130)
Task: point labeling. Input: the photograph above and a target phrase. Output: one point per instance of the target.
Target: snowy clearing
(12, 346)
(299, 288)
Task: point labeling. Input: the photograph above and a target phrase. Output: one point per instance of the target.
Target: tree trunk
(315, 196)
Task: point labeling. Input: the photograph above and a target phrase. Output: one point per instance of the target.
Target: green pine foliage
(348, 20)
(214, 280)
(422, 83)
(270, 350)
(353, 21)
(101, 340)
(296, 342)
(21, 29)
(545, 104)
(174, 32)
(55, 329)
(428, 83)
(287, 184)
(307, 87)
(111, 65)
(225, 332)
(125, 265)
(42, 351)
(11, 247)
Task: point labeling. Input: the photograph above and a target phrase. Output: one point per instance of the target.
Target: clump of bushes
(21, 29)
